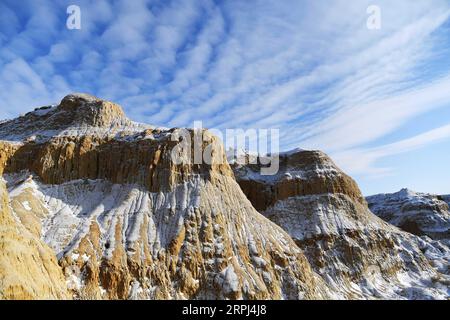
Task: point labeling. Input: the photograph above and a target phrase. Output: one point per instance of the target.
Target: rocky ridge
(419, 213)
(76, 115)
(357, 254)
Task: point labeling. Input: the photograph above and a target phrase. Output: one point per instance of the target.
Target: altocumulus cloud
(310, 68)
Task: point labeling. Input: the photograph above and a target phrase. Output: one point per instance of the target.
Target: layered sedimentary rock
(422, 214)
(300, 173)
(94, 207)
(28, 267)
(356, 253)
(126, 222)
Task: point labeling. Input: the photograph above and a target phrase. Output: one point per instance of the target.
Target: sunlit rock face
(358, 254)
(28, 267)
(301, 173)
(119, 220)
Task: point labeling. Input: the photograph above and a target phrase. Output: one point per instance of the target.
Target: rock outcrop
(301, 173)
(357, 254)
(419, 213)
(76, 115)
(126, 222)
(28, 267)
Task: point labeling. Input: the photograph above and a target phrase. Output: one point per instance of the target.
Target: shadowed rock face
(126, 223)
(418, 213)
(446, 198)
(356, 253)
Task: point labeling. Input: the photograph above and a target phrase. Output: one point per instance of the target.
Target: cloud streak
(367, 158)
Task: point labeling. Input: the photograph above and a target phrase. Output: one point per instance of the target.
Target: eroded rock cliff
(357, 254)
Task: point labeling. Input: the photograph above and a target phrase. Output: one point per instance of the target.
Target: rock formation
(357, 254)
(125, 222)
(94, 207)
(28, 267)
(418, 213)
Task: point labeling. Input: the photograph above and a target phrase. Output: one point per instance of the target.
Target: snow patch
(26, 205)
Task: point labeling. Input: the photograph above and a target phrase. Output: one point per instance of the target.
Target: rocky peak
(121, 220)
(301, 172)
(85, 109)
(76, 115)
(125, 221)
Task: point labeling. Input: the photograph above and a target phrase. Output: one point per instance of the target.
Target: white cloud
(359, 124)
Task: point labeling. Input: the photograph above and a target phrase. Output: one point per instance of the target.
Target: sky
(376, 100)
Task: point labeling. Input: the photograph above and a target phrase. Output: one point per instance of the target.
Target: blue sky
(377, 101)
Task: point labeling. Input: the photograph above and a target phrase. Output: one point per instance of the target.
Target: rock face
(419, 213)
(300, 173)
(125, 222)
(28, 267)
(356, 253)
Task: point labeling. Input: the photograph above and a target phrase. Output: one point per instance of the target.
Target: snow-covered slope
(357, 254)
(414, 212)
(122, 241)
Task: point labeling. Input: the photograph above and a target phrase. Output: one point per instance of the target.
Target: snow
(21, 185)
(74, 282)
(75, 256)
(26, 205)
(74, 205)
(135, 290)
(102, 290)
(44, 110)
(315, 216)
(40, 126)
(228, 280)
(287, 171)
